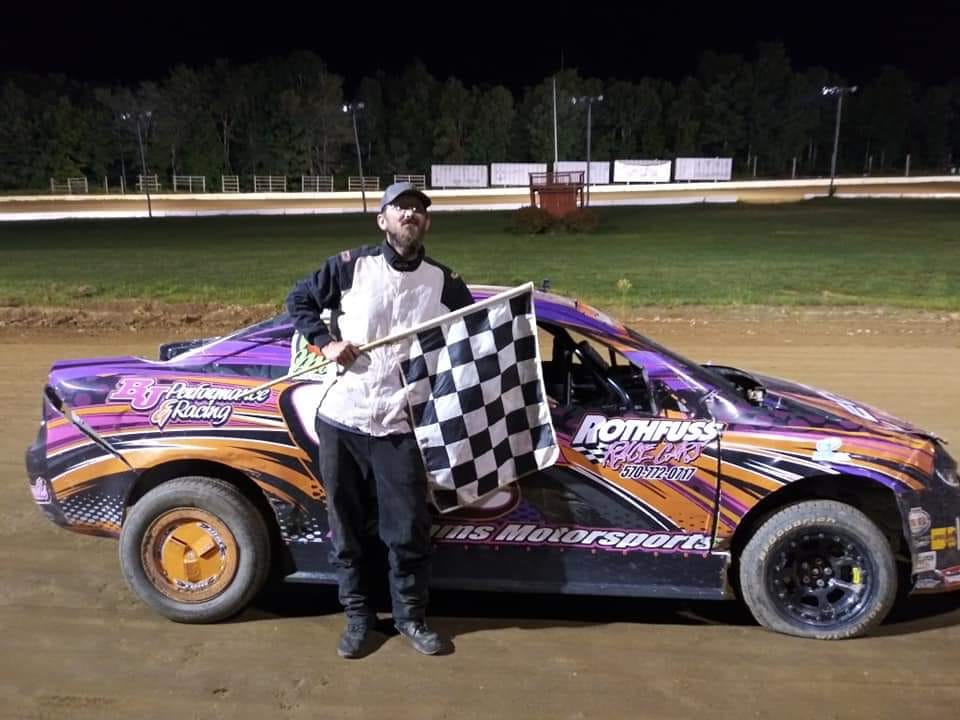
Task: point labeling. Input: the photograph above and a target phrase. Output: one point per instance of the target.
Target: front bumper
(932, 528)
(38, 477)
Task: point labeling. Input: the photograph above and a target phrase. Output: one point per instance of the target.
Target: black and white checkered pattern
(594, 453)
(93, 509)
(478, 403)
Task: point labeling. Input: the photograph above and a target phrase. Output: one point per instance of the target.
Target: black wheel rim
(821, 577)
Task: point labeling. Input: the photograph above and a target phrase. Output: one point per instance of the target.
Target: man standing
(368, 456)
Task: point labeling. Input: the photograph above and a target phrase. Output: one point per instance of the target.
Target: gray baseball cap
(403, 188)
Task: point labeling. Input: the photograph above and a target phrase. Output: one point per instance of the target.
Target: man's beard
(408, 241)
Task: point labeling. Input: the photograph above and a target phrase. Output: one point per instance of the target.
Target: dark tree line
(284, 116)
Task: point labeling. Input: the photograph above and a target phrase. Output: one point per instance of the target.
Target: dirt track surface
(77, 644)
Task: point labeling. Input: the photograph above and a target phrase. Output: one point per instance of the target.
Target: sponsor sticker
(827, 451)
(183, 402)
(533, 534)
(951, 575)
(645, 449)
(919, 520)
(927, 583)
(925, 562)
(307, 364)
(40, 491)
(943, 538)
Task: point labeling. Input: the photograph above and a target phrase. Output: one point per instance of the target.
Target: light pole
(588, 100)
(839, 91)
(137, 117)
(352, 108)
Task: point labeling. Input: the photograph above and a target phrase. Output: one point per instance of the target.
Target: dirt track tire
(195, 550)
(811, 542)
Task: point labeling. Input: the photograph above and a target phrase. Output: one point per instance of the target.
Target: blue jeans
(362, 475)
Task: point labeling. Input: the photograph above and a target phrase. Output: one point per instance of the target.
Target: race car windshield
(697, 372)
(260, 333)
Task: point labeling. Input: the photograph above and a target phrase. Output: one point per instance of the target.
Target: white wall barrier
(703, 169)
(599, 171)
(458, 176)
(641, 171)
(514, 174)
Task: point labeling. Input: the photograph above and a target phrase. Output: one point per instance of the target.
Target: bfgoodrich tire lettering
(819, 569)
(226, 526)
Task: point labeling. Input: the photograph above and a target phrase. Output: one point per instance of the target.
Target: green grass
(898, 253)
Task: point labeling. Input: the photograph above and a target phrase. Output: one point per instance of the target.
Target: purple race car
(674, 480)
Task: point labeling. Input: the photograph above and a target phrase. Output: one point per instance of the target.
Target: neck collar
(397, 262)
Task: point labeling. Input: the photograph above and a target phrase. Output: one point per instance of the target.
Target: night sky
(514, 44)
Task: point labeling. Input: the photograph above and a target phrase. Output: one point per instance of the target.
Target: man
(368, 456)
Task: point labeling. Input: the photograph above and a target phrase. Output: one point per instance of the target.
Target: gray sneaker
(422, 638)
(355, 640)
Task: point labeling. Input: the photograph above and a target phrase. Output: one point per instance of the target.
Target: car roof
(560, 309)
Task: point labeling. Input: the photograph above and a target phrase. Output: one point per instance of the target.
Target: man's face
(405, 222)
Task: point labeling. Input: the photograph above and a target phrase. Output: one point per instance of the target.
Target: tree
(227, 93)
(882, 114)
(131, 118)
(456, 107)
(624, 106)
(934, 117)
(373, 124)
(179, 105)
(412, 97)
(724, 79)
(489, 133)
(767, 106)
(284, 115)
(315, 122)
(64, 152)
(683, 117)
(536, 131)
(17, 133)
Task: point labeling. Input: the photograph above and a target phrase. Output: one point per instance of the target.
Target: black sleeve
(455, 294)
(310, 297)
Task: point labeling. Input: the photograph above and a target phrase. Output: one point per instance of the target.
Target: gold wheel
(189, 555)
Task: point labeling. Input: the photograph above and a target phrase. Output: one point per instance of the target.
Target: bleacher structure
(316, 183)
(189, 183)
(363, 182)
(269, 183)
(69, 186)
(418, 181)
(148, 184)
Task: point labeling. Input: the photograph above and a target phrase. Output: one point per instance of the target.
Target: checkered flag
(477, 398)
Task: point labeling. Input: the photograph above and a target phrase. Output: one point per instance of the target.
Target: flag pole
(396, 337)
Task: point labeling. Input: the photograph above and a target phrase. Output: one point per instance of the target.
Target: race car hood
(814, 407)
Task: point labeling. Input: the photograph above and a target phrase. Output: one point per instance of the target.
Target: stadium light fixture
(839, 91)
(353, 108)
(137, 117)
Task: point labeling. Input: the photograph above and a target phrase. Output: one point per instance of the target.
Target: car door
(629, 508)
